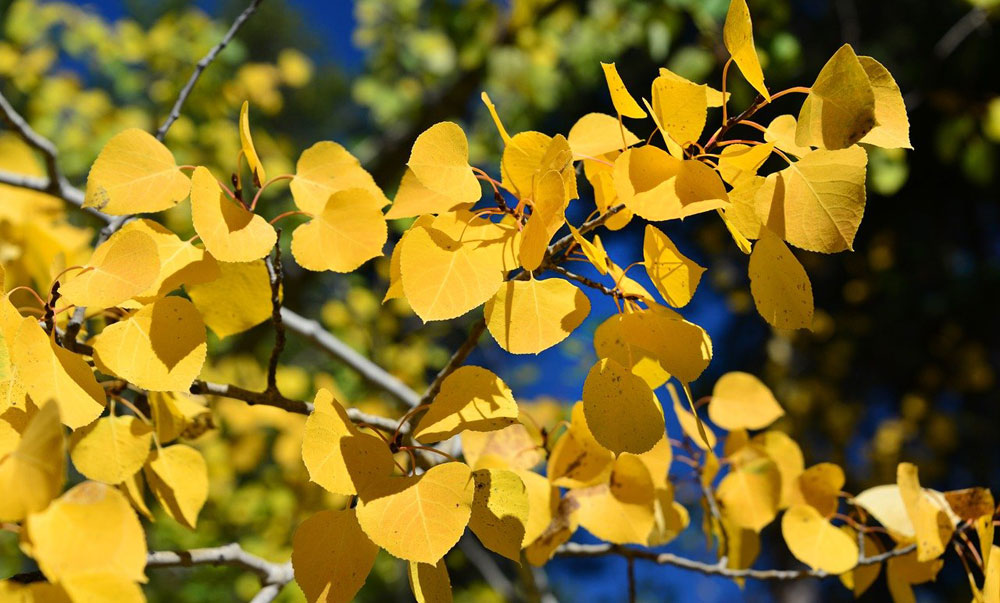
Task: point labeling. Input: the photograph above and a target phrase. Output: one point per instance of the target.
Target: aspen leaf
(657, 460)
(32, 474)
(51, 372)
(741, 214)
(443, 278)
(134, 488)
(594, 251)
(101, 587)
(885, 504)
(679, 108)
(499, 511)
(931, 525)
(216, 301)
(739, 162)
(174, 412)
(348, 232)
(578, 459)
(495, 244)
(548, 213)
(324, 169)
(249, 151)
(160, 347)
(622, 411)
(751, 493)
(819, 486)
(659, 187)
(893, 128)
(339, 457)
(904, 571)
(429, 583)
(681, 348)
(471, 398)
(414, 199)
(840, 107)
(816, 542)
(231, 233)
(737, 34)
(595, 134)
(529, 156)
(785, 452)
(605, 195)
(526, 317)
(624, 102)
(111, 449)
(543, 499)
(715, 97)
(91, 529)
(181, 263)
(781, 131)
(670, 518)
(627, 285)
(440, 161)
(991, 586)
(122, 267)
(742, 401)
(332, 556)
(514, 445)
(178, 477)
(611, 341)
(673, 274)
(133, 174)
(419, 518)
(620, 511)
(689, 424)
(496, 118)
(779, 284)
(861, 577)
(562, 527)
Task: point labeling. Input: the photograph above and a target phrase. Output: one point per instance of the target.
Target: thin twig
(594, 284)
(275, 276)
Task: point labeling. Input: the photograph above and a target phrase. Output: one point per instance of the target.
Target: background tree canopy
(901, 364)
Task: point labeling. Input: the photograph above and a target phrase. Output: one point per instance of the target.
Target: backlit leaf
(595, 134)
(249, 151)
(429, 583)
(526, 317)
(862, 577)
(779, 284)
(529, 156)
(578, 459)
(893, 127)
(332, 556)
(122, 267)
(622, 411)
(471, 398)
(547, 216)
(932, 528)
(819, 486)
(659, 187)
(178, 477)
(33, 473)
(781, 131)
(680, 109)
(814, 541)
(751, 492)
(737, 34)
(349, 231)
(111, 449)
(673, 274)
(216, 301)
(440, 161)
(624, 102)
(742, 401)
(326, 168)
(840, 107)
(231, 232)
(787, 455)
(181, 263)
(414, 199)
(620, 511)
(499, 511)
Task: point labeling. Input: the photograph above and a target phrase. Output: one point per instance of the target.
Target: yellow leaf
(91, 529)
(991, 587)
(657, 459)
(779, 284)
(419, 518)
(440, 161)
(415, 199)
(578, 459)
(134, 489)
(751, 493)
(347, 233)
(785, 452)
(496, 118)
(610, 342)
(893, 128)
(471, 398)
(595, 134)
(339, 457)
(159, 348)
(814, 541)
(739, 162)
(429, 582)
(741, 214)
(715, 97)
(560, 529)
(594, 251)
(931, 525)
(444, 278)
(689, 423)
(681, 348)
(737, 34)
(34, 471)
(819, 486)
(102, 587)
(680, 109)
(499, 511)
(659, 187)
(622, 411)
(624, 102)
(181, 263)
(781, 131)
(601, 178)
(620, 511)
(670, 518)
(885, 504)
(526, 317)
(51, 372)
(529, 156)
(231, 233)
(548, 213)
(840, 107)
(133, 174)
(246, 142)
(673, 274)
(513, 446)
(904, 571)
(174, 412)
(326, 168)
(247, 282)
(178, 477)
(111, 449)
(543, 500)
(122, 267)
(742, 401)
(861, 577)
(332, 556)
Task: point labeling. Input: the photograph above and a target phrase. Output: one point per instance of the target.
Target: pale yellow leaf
(742, 401)
(739, 163)
(610, 341)
(578, 459)
(622, 510)
(840, 107)
(332, 556)
(750, 494)
(622, 412)
(440, 161)
(247, 282)
(737, 34)
(526, 317)
(111, 449)
(931, 526)
(181, 263)
(680, 109)
(414, 199)
(904, 571)
(471, 398)
(595, 134)
(429, 582)
(781, 131)
(779, 284)
(102, 587)
(893, 128)
(174, 412)
(499, 511)
(122, 267)
(658, 187)
(231, 232)
(624, 102)
(33, 473)
(349, 231)
(513, 447)
(178, 477)
(529, 156)
(689, 423)
(785, 452)
(814, 541)
(715, 97)
(326, 168)
(673, 274)
(681, 348)
(543, 499)
(249, 151)
(819, 486)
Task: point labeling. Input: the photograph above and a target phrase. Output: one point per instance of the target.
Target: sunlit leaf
(178, 477)
(840, 108)
(111, 449)
(122, 267)
(742, 401)
(814, 541)
(326, 168)
(349, 231)
(249, 151)
(499, 511)
(332, 556)
(595, 134)
(737, 34)
(429, 583)
(471, 398)
(779, 284)
(236, 301)
(33, 473)
(622, 411)
(440, 161)
(624, 102)
(673, 274)
(231, 232)
(526, 317)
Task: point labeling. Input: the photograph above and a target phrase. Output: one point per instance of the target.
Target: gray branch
(273, 576)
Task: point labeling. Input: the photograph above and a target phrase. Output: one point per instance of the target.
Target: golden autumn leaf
(332, 556)
(231, 232)
(526, 317)
(611, 341)
(816, 542)
(548, 202)
(178, 477)
(681, 348)
(91, 529)
(414, 199)
(125, 265)
(680, 108)
(785, 452)
(33, 472)
(440, 161)
(324, 169)
(779, 284)
(419, 518)
(931, 525)
(562, 527)
(657, 186)
(600, 174)
(904, 571)
(499, 511)
(670, 518)
(496, 118)
(111, 449)
(737, 34)
(249, 151)
(512, 447)
(595, 134)
(429, 582)
(529, 156)
(751, 492)
(819, 486)
(781, 131)
(174, 412)
(622, 510)
(840, 107)
(622, 411)
(738, 163)
(471, 398)
(594, 250)
(624, 102)
(860, 579)
(181, 263)
(102, 586)
(349, 231)
(160, 347)
(702, 436)
(248, 282)
(543, 500)
(133, 174)
(893, 126)
(742, 401)
(578, 459)
(673, 274)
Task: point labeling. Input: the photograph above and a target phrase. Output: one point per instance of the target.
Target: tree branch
(593, 284)
(575, 549)
(273, 576)
(175, 111)
(275, 276)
